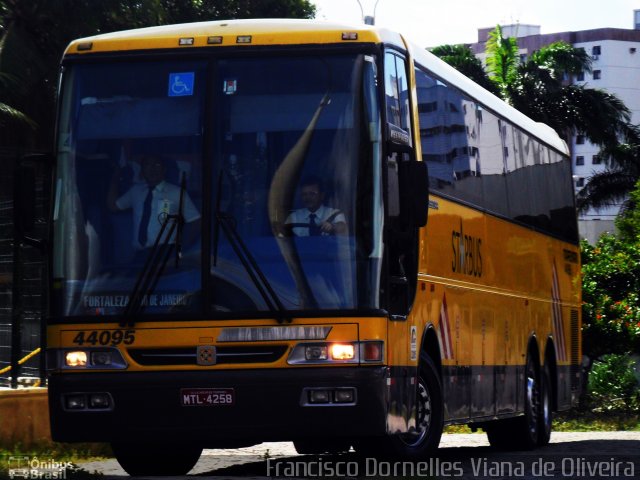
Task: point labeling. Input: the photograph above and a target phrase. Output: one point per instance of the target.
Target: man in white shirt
(315, 218)
(150, 202)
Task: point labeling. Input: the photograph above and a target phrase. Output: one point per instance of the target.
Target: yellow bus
(283, 230)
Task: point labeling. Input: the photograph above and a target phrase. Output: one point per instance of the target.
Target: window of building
(595, 50)
(597, 74)
(523, 58)
(580, 77)
(579, 160)
(596, 160)
(579, 139)
(580, 182)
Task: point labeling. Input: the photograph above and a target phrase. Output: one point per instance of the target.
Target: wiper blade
(180, 222)
(154, 266)
(257, 276)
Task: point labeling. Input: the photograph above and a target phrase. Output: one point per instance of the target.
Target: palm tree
(613, 185)
(502, 61)
(10, 116)
(540, 89)
(462, 58)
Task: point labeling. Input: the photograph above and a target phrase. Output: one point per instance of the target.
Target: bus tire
(139, 459)
(545, 417)
(527, 427)
(523, 432)
(430, 416)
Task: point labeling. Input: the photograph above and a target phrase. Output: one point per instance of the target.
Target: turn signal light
(369, 352)
(372, 351)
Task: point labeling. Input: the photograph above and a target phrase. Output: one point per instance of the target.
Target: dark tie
(314, 229)
(144, 221)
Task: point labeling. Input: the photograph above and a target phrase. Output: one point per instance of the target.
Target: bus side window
(397, 92)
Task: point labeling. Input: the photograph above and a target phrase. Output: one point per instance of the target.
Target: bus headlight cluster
(89, 358)
(347, 352)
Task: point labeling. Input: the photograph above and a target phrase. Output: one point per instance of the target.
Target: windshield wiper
(257, 276)
(157, 260)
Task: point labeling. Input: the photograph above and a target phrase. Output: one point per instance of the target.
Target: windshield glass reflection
(295, 184)
(129, 179)
(294, 220)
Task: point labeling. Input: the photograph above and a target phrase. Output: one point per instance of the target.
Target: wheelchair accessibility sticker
(181, 84)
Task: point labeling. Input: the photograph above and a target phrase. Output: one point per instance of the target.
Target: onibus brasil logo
(33, 467)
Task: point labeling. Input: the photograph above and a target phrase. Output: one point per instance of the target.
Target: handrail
(22, 360)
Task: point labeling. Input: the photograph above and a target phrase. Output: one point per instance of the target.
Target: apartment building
(615, 55)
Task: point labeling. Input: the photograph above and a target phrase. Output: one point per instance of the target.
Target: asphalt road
(592, 455)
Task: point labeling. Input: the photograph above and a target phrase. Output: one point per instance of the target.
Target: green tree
(540, 89)
(502, 60)
(611, 287)
(610, 294)
(462, 58)
(614, 184)
(613, 384)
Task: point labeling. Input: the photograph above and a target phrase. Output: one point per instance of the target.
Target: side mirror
(418, 186)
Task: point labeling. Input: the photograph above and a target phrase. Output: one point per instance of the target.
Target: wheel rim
(546, 409)
(423, 418)
(532, 400)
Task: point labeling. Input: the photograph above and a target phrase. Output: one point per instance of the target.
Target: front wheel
(425, 438)
(159, 459)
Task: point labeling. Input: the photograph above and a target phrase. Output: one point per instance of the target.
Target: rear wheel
(545, 418)
(522, 432)
(156, 459)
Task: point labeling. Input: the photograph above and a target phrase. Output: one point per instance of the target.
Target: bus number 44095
(105, 337)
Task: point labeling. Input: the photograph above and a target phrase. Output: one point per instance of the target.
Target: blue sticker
(181, 84)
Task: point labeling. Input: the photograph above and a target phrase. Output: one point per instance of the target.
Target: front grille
(224, 355)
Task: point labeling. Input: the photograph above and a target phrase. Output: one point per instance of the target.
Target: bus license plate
(207, 397)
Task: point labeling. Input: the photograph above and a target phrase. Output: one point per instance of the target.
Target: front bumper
(268, 406)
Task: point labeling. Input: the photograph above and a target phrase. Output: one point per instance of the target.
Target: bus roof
(233, 33)
(452, 76)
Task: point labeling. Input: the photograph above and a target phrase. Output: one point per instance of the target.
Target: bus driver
(315, 218)
(149, 201)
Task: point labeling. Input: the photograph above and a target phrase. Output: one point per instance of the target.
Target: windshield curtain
(296, 209)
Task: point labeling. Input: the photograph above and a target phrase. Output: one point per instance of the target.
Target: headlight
(75, 359)
(90, 358)
(315, 352)
(351, 352)
(340, 351)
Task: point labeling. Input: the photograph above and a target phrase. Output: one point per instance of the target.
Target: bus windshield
(202, 187)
